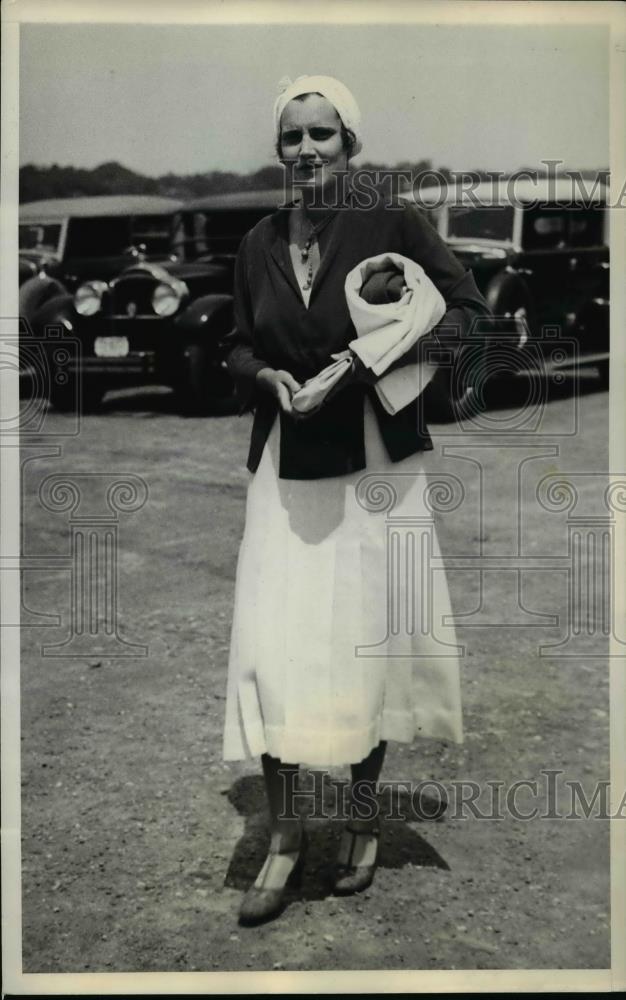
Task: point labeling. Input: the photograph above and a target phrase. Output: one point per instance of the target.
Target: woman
(311, 577)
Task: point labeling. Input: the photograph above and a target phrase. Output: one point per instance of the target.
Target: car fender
(506, 287)
(35, 292)
(27, 270)
(512, 305)
(207, 318)
(57, 311)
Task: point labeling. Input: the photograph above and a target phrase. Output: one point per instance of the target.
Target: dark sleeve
(241, 360)
(464, 303)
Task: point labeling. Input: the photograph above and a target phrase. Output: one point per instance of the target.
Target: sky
(190, 99)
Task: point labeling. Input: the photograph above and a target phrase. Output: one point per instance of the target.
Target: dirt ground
(138, 841)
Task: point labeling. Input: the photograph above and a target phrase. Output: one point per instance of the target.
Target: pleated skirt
(339, 635)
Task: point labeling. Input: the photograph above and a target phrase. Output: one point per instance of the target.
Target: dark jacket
(273, 327)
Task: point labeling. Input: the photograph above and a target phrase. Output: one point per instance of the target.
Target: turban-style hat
(333, 90)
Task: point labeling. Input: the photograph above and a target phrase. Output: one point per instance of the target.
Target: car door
(548, 263)
(589, 261)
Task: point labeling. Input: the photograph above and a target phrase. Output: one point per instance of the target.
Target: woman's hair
(348, 137)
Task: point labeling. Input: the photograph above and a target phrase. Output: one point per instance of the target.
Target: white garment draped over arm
(388, 330)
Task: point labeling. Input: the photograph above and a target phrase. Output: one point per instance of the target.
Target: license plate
(111, 347)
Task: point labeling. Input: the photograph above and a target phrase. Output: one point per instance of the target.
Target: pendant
(309, 278)
(306, 257)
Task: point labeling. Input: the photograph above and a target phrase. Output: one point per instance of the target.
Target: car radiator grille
(133, 297)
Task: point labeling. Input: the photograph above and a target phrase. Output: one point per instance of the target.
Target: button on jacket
(274, 327)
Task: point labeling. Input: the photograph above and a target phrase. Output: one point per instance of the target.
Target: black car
(539, 252)
(163, 322)
(71, 240)
(71, 243)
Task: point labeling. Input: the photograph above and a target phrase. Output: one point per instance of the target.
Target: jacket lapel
(279, 249)
(333, 246)
(329, 253)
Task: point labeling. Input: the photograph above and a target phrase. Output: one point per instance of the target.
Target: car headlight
(88, 298)
(168, 296)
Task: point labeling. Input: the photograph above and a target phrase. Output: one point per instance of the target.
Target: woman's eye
(292, 137)
(321, 133)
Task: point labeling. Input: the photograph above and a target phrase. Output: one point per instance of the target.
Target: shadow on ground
(400, 845)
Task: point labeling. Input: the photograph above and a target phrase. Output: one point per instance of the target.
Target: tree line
(37, 182)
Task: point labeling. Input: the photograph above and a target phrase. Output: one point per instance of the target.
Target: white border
(337, 12)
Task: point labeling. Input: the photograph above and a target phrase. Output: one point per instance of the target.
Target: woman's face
(310, 138)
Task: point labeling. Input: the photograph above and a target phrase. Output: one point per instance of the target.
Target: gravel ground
(138, 841)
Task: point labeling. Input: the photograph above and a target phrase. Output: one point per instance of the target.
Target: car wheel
(447, 401)
(204, 386)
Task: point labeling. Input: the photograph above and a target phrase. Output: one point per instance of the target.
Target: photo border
(612, 14)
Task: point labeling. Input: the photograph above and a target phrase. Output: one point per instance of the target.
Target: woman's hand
(280, 384)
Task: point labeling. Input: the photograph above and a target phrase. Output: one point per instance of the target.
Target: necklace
(305, 254)
(305, 251)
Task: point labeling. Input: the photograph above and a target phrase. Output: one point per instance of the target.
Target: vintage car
(163, 322)
(71, 240)
(66, 242)
(539, 253)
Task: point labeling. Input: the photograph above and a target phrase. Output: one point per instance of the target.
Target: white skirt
(338, 639)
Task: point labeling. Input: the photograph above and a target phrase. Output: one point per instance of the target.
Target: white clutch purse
(315, 390)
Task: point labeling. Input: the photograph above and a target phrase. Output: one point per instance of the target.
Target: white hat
(333, 90)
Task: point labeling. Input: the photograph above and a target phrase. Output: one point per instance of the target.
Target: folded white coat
(385, 332)
(388, 330)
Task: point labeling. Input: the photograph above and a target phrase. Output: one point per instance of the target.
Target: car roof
(245, 200)
(269, 200)
(563, 190)
(53, 209)
(523, 189)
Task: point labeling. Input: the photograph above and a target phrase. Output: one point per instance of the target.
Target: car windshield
(218, 232)
(42, 237)
(153, 230)
(111, 236)
(466, 222)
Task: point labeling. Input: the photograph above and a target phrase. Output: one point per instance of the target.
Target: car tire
(451, 394)
(204, 386)
(442, 405)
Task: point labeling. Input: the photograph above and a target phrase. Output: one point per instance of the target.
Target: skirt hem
(353, 746)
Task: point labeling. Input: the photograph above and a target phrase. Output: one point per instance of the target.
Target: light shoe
(266, 898)
(356, 861)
